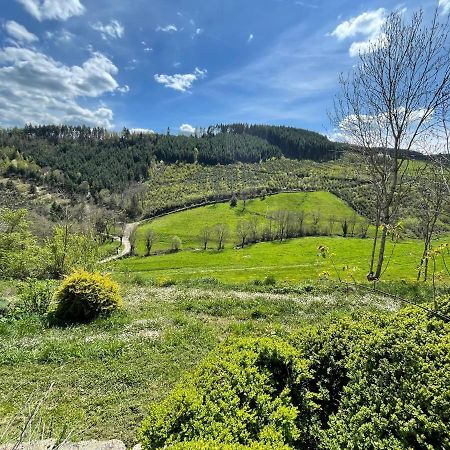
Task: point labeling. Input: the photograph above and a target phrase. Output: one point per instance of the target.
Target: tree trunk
(374, 246)
(381, 252)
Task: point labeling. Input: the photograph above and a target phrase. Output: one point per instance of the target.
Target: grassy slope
(187, 224)
(108, 372)
(292, 260)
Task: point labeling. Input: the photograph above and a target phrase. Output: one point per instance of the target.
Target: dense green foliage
(84, 296)
(20, 254)
(377, 382)
(242, 393)
(217, 445)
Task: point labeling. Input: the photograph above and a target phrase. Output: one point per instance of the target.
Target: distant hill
(82, 158)
(294, 143)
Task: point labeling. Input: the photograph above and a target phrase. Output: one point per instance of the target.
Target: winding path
(126, 244)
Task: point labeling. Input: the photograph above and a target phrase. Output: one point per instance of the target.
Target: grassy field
(105, 374)
(187, 224)
(291, 261)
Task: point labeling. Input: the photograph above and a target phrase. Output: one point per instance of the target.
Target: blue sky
(153, 64)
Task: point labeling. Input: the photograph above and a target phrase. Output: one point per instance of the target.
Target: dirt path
(126, 244)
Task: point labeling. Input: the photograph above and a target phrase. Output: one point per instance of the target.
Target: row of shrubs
(81, 297)
(373, 382)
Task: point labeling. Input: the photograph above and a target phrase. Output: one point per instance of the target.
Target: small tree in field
(392, 103)
(221, 231)
(150, 240)
(243, 230)
(205, 237)
(176, 244)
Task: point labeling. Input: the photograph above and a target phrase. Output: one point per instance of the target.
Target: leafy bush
(270, 280)
(248, 391)
(35, 297)
(378, 381)
(397, 392)
(443, 305)
(83, 296)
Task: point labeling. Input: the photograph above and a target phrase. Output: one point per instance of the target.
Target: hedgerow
(249, 391)
(376, 382)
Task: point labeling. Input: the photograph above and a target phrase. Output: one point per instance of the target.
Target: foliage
(377, 382)
(69, 249)
(83, 296)
(35, 297)
(20, 255)
(85, 159)
(242, 393)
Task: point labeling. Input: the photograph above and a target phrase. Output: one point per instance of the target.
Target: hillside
(259, 212)
(81, 158)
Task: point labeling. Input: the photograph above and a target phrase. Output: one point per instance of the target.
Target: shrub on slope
(378, 382)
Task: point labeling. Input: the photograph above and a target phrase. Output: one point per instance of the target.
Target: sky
(182, 64)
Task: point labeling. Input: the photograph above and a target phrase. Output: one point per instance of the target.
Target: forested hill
(75, 157)
(295, 143)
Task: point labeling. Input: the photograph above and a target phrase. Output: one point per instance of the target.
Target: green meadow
(290, 261)
(188, 224)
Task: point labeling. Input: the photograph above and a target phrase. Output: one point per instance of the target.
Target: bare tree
(352, 223)
(281, 218)
(133, 241)
(243, 230)
(150, 240)
(315, 222)
(221, 232)
(430, 194)
(331, 223)
(391, 105)
(205, 236)
(254, 224)
(301, 222)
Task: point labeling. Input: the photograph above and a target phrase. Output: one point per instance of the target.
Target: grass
(105, 374)
(291, 261)
(187, 224)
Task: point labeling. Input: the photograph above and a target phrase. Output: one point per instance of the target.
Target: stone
(50, 444)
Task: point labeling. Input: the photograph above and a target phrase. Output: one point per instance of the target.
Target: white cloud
(53, 9)
(148, 49)
(445, 5)
(181, 82)
(124, 89)
(367, 24)
(114, 29)
(250, 38)
(19, 32)
(187, 130)
(62, 36)
(141, 130)
(35, 88)
(167, 29)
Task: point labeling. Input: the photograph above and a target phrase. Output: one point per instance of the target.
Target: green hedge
(376, 382)
(247, 391)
